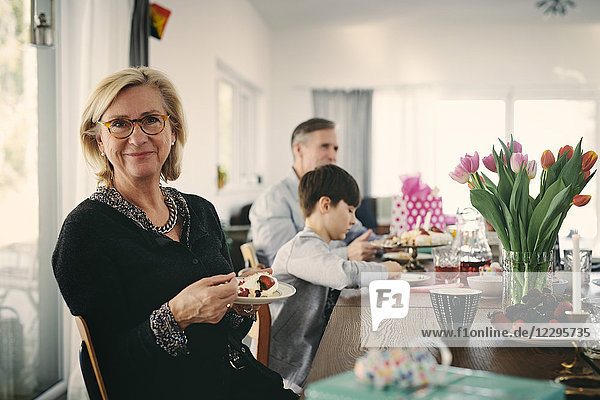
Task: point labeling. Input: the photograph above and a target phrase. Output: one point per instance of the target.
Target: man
(275, 216)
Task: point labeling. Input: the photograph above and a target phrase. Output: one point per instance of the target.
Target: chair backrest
(249, 254)
(89, 363)
(261, 332)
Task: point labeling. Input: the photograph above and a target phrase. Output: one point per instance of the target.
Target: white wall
(387, 54)
(196, 35)
(286, 64)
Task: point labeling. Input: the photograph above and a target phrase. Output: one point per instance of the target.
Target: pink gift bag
(413, 205)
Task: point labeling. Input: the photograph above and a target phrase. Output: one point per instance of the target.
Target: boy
(328, 199)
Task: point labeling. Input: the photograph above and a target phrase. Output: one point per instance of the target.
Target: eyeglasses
(122, 128)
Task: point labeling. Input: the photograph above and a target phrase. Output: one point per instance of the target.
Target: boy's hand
(394, 269)
(360, 249)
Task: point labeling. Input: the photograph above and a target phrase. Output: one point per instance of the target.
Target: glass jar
(471, 243)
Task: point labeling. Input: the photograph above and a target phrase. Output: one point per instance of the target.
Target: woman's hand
(204, 301)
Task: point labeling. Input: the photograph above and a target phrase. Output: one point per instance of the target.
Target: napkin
(426, 289)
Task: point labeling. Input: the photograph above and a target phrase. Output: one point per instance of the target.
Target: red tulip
(588, 160)
(547, 159)
(471, 184)
(566, 149)
(586, 175)
(581, 200)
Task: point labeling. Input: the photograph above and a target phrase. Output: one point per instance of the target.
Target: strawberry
(243, 292)
(559, 312)
(266, 282)
(500, 321)
(436, 229)
(423, 231)
(553, 321)
(517, 324)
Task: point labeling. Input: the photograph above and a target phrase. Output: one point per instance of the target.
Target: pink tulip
(460, 174)
(517, 161)
(470, 163)
(531, 169)
(518, 147)
(489, 162)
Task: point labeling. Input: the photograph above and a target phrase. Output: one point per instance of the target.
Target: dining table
(346, 339)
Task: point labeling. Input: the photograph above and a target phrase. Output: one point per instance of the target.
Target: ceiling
(293, 14)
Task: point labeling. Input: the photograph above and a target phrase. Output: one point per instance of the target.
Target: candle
(576, 275)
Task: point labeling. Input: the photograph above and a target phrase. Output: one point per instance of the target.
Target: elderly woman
(147, 266)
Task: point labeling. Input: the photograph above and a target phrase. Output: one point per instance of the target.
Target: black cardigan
(115, 273)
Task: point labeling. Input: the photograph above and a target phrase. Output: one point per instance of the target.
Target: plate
(414, 279)
(402, 256)
(283, 292)
(429, 246)
(381, 243)
(385, 244)
(596, 282)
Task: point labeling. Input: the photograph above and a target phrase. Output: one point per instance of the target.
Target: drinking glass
(447, 264)
(586, 264)
(592, 306)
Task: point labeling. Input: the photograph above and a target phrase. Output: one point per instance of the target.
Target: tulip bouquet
(525, 225)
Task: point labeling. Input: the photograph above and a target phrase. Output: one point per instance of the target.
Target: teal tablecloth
(463, 384)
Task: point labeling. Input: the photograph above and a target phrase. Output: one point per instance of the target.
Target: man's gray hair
(307, 127)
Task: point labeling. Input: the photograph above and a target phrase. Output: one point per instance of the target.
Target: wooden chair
(261, 329)
(261, 332)
(249, 254)
(89, 363)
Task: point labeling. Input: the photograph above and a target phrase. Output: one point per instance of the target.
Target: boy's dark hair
(329, 181)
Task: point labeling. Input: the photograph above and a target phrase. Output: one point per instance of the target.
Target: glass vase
(524, 271)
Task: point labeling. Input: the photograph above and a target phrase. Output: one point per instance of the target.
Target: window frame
(244, 173)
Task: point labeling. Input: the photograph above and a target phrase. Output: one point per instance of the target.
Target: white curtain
(403, 129)
(351, 111)
(93, 42)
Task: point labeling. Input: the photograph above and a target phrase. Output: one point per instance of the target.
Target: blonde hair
(101, 99)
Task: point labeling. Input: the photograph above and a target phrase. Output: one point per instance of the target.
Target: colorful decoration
(396, 367)
(158, 20)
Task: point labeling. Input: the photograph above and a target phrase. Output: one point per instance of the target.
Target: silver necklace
(168, 227)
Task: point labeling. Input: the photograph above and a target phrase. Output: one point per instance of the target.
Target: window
(551, 124)
(464, 126)
(540, 119)
(237, 102)
(30, 323)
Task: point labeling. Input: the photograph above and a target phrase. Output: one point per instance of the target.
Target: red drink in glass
(471, 268)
